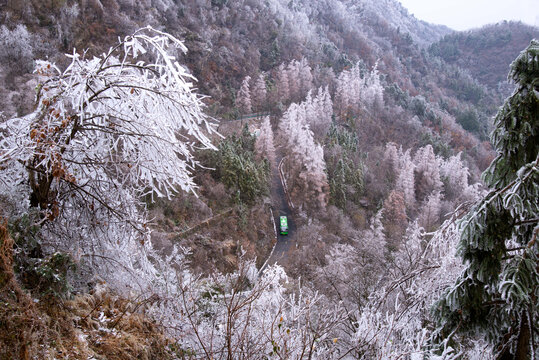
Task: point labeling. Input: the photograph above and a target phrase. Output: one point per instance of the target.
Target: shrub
(47, 276)
(22, 331)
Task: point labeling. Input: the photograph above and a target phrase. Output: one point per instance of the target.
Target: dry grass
(22, 331)
(114, 329)
(99, 325)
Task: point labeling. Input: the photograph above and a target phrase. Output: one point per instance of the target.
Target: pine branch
(530, 221)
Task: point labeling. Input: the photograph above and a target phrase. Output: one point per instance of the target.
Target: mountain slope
(379, 140)
(486, 52)
(392, 12)
(229, 39)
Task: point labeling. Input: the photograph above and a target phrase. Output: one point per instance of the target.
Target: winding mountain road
(280, 207)
(279, 200)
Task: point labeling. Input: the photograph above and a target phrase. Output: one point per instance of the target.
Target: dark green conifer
(497, 293)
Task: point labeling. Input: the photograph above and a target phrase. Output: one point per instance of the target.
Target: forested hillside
(147, 149)
(486, 52)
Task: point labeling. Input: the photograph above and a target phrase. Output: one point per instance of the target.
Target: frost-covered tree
(306, 165)
(396, 321)
(395, 215)
(319, 111)
(246, 314)
(455, 177)
(405, 180)
(372, 92)
(343, 91)
(496, 294)
(67, 23)
(357, 89)
(243, 97)
(283, 90)
(294, 80)
(427, 173)
(354, 268)
(376, 235)
(259, 93)
(392, 155)
(326, 103)
(313, 173)
(17, 50)
(293, 119)
(429, 213)
(107, 131)
(305, 76)
(264, 146)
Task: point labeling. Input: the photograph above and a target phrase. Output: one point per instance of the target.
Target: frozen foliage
(264, 146)
(495, 295)
(17, 49)
(306, 165)
(395, 14)
(429, 179)
(319, 111)
(245, 315)
(259, 93)
(283, 90)
(427, 171)
(294, 80)
(67, 22)
(405, 180)
(429, 213)
(107, 131)
(243, 98)
(389, 304)
(354, 269)
(455, 175)
(358, 89)
(396, 322)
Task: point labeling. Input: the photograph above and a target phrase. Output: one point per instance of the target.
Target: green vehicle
(283, 225)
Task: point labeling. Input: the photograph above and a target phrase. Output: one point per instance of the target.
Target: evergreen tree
(497, 292)
(237, 168)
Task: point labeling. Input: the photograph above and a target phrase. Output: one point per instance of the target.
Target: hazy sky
(468, 14)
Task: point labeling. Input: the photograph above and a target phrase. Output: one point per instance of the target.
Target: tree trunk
(523, 342)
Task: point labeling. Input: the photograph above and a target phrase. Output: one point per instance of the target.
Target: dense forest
(485, 52)
(148, 150)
